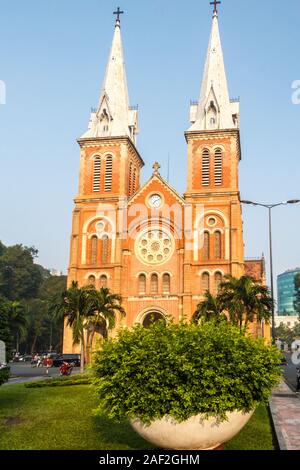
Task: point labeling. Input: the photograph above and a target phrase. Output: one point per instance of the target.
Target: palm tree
(75, 305)
(103, 318)
(17, 321)
(245, 299)
(209, 309)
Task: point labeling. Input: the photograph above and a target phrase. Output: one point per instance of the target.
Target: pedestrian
(298, 380)
(39, 360)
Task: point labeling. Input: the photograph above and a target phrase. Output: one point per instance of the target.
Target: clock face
(155, 201)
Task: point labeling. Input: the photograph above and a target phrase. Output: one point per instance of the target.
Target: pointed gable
(156, 184)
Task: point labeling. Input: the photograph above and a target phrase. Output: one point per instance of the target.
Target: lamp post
(270, 207)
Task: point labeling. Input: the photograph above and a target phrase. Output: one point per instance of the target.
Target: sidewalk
(285, 410)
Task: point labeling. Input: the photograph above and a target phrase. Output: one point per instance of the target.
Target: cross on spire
(118, 13)
(156, 167)
(215, 3)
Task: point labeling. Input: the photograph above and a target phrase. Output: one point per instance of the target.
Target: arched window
(103, 281)
(97, 174)
(218, 245)
(154, 284)
(166, 283)
(205, 168)
(142, 284)
(218, 280)
(206, 246)
(205, 283)
(105, 241)
(94, 250)
(108, 173)
(91, 281)
(218, 167)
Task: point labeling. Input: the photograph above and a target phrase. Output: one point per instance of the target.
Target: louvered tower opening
(218, 167)
(108, 173)
(97, 174)
(205, 168)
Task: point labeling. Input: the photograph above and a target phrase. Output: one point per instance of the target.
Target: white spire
(214, 109)
(113, 117)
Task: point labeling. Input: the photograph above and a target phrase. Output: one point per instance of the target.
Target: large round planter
(196, 433)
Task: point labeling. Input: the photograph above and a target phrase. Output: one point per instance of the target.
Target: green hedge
(4, 375)
(61, 382)
(183, 370)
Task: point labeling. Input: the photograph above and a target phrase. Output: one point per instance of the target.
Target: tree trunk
(82, 359)
(91, 345)
(17, 345)
(87, 350)
(33, 344)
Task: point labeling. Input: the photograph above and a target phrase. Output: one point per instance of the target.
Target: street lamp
(270, 207)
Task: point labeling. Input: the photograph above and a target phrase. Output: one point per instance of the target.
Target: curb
(276, 428)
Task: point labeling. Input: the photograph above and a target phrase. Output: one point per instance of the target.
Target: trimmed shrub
(4, 375)
(183, 370)
(61, 382)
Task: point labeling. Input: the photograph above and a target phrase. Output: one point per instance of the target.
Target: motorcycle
(66, 368)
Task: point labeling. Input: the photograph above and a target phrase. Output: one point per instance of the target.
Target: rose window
(154, 247)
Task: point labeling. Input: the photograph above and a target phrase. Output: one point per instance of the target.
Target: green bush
(183, 370)
(4, 375)
(61, 381)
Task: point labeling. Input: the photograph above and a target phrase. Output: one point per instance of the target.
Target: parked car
(25, 358)
(69, 358)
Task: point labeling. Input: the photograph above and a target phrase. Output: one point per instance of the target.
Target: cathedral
(160, 250)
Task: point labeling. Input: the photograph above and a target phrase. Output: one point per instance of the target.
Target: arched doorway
(152, 317)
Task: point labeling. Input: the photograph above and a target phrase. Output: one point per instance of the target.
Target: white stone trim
(97, 275)
(94, 218)
(219, 146)
(211, 212)
(211, 272)
(142, 315)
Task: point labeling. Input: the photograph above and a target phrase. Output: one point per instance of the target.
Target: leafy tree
(45, 331)
(105, 307)
(244, 299)
(20, 278)
(2, 249)
(17, 321)
(37, 325)
(287, 334)
(30, 287)
(296, 331)
(210, 309)
(5, 332)
(284, 333)
(75, 305)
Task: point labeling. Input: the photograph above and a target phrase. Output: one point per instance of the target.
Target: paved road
(285, 410)
(290, 372)
(21, 373)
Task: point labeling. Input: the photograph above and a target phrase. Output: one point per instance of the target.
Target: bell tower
(110, 167)
(110, 163)
(214, 154)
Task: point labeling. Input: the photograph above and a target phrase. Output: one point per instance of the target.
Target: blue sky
(52, 59)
